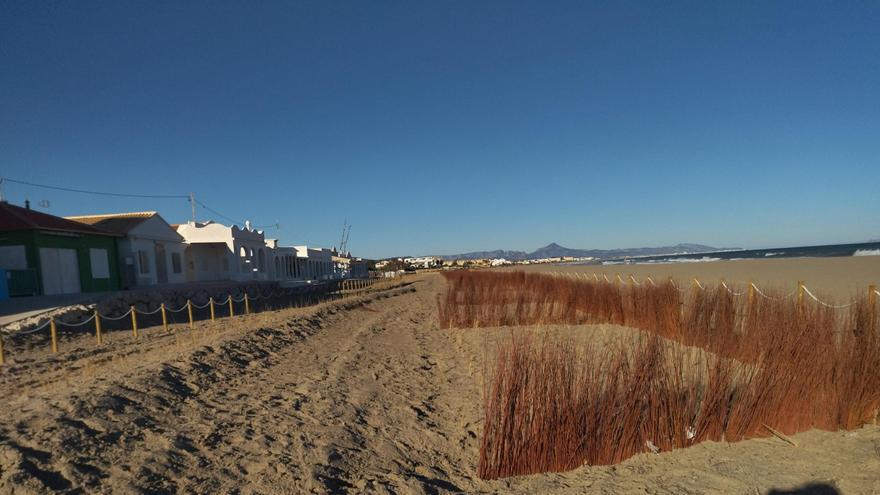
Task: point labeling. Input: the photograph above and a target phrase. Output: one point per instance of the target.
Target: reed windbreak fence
(772, 362)
(218, 306)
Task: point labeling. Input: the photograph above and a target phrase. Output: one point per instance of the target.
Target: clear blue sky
(444, 127)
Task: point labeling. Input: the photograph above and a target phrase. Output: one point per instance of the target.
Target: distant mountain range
(554, 250)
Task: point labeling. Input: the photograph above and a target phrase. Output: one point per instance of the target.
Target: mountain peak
(554, 250)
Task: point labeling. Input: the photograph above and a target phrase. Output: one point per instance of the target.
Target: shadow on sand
(810, 489)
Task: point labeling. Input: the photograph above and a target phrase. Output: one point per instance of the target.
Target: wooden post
(98, 335)
(211, 303)
(54, 332)
(2, 355)
(751, 295)
(192, 329)
(164, 318)
(247, 306)
(231, 310)
(134, 322)
(872, 307)
(800, 296)
(189, 308)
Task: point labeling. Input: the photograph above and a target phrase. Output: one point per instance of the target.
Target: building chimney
(27, 204)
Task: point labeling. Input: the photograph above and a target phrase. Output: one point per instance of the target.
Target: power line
(203, 205)
(99, 193)
(126, 195)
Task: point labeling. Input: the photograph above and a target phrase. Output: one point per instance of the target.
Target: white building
(217, 252)
(316, 263)
(285, 265)
(151, 252)
(424, 262)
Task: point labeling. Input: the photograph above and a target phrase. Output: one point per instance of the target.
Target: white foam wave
(867, 252)
(704, 259)
(771, 254)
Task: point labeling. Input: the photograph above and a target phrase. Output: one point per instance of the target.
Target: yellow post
(751, 294)
(2, 356)
(164, 318)
(192, 330)
(98, 335)
(800, 295)
(134, 322)
(872, 306)
(189, 308)
(54, 332)
(247, 306)
(231, 310)
(211, 303)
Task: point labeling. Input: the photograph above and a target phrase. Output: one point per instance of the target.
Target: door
(161, 264)
(60, 271)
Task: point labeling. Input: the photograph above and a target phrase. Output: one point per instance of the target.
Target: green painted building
(44, 254)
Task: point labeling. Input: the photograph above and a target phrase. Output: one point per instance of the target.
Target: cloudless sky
(452, 126)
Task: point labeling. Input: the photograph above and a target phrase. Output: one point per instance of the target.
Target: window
(143, 262)
(13, 258)
(175, 263)
(100, 263)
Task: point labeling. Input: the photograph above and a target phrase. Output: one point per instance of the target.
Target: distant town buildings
(43, 254)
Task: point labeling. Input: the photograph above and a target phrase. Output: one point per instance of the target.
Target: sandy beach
(363, 395)
(837, 278)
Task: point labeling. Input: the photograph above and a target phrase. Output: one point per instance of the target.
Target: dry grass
(553, 404)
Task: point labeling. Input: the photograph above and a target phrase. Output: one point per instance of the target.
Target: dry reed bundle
(552, 406)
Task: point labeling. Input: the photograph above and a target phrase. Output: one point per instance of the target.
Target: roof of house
(119, 223)
(13, 218)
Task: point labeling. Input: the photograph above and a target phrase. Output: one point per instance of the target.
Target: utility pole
(192, 205)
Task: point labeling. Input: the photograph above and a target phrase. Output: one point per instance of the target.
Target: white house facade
(218, 252)
(151, 252)
(316, 263)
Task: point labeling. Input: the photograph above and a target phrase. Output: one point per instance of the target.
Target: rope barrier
(761, 293)
(118, 317)
(182, 308)
(196, 306)
(833, 306)
(90, 318)
(32, 330)
(149, 312)
(734, 294)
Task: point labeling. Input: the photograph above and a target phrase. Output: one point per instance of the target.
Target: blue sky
(443, 127)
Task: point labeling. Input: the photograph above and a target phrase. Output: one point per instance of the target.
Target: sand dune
(364, 395)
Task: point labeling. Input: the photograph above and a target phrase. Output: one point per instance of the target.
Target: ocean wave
(771, 254)
(867, 252)
(704, 259)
